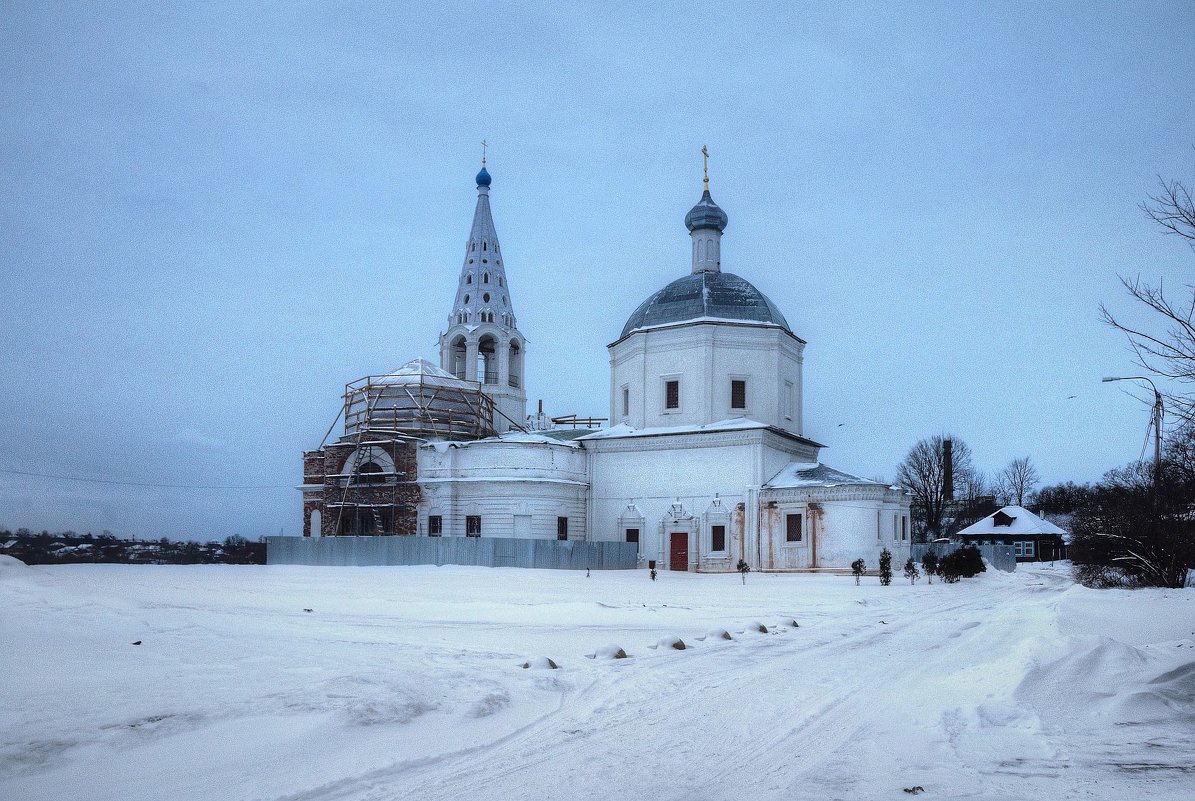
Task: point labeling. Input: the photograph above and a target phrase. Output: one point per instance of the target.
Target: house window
(562, 528)
(633, 535)
(792, 528)
(435, 525)
(626, 401)
(738, 394)
(717, 538)
(473, 525)
(1030, 548)
(672, 394)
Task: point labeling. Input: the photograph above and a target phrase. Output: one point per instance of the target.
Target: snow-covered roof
(522, 437)
(814, 474)
(416, 371)
(623, 430)
(1019, 521)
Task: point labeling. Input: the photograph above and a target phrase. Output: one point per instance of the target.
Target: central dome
(723, 296)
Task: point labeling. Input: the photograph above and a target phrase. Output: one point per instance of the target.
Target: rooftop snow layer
(623, 430)
(1022, 522)
(814, 474)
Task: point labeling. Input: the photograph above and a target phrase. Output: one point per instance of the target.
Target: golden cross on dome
(705, 159)
(483, 147)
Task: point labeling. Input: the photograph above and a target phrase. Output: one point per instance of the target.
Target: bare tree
(1018, 480)
(923, 472)
(1166, 345)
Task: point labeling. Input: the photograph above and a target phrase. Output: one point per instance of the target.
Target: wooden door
(678, 551)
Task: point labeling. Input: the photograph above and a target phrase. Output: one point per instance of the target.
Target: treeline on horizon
(69, 547)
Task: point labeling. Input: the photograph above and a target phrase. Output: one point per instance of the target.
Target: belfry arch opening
(516, 363)
(457, 354)
(487, 360)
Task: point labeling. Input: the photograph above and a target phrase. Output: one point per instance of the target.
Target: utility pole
(1156, 421)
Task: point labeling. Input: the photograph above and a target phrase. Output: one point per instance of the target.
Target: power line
(145, 484)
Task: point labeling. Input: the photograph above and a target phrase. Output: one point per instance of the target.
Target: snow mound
(755, 628)
(675, 643)
(1111, 680)
(608, 652)
(540, 663)
(716, 634)
(11, 564)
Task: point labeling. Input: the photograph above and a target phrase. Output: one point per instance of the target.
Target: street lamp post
(1157, 424)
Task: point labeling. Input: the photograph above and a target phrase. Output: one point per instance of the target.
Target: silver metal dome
(717, 295)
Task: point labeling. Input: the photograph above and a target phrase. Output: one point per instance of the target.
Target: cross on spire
(705, 160)
(483, 147)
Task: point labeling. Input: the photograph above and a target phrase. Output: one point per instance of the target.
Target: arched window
(466, 300)
(500, 277)
(485, 278)
(469, 277)
(486, 297)
(483, 245)
(472, 246)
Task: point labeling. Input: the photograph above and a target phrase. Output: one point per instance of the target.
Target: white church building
(704, 461)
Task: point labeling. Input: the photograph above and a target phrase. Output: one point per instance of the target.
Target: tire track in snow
(646, 726)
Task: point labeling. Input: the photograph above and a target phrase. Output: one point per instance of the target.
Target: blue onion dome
(706, 214)
(483, 178)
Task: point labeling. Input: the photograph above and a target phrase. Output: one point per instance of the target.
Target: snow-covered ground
(407, 682)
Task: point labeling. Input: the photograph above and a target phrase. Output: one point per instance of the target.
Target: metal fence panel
(1000, 557)
(476, 551)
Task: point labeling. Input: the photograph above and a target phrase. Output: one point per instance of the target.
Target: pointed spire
(482, 295)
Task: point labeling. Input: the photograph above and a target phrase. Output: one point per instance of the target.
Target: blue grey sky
(214, 215)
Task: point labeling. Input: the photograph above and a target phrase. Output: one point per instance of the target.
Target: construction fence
(998, 556)
(476, 551)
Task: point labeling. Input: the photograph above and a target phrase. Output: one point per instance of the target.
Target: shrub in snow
(759, 627)
(1135, 529)
(744, 569)
(670, 642)
(929, 563)
(540, 663)
(963, 563)
(858, 567)
(911, 571)
(885, 567)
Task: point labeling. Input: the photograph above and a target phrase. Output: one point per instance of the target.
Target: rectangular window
(435, 525)
(633, 535)
(562, 528)
(1030, 548)
(792, 528)
(672, 394)
(738, 394)
(717, 538)
(895, 526)
(626, 401)
(904, 528)
(473, 525)
(788, 400)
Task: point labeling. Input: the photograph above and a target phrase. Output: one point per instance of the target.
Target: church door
(679, 551)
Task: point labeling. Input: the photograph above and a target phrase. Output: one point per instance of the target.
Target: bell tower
(482, 342)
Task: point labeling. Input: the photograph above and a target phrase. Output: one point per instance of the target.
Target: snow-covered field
(408, 683)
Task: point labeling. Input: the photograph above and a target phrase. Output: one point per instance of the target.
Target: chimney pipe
(948, 469)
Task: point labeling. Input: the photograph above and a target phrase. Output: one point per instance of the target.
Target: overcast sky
(212, 218)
